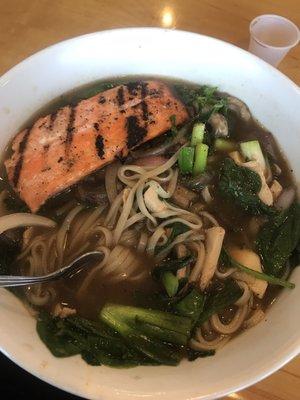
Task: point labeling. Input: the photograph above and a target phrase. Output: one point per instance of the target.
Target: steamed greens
(241, 186)
(278, 239)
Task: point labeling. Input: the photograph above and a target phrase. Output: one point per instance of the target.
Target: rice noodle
(200, 250)
(18, 220)
(141, 247)
(199, 343)
(62, 233)
(244, 299)
(114, 208)
(223, 275)
(111, 234)
(234, 324)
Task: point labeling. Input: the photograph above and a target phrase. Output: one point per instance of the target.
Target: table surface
(27, 26)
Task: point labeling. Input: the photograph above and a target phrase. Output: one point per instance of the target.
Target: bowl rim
(289, 352)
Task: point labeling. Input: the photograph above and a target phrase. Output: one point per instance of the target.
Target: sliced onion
(19, 220)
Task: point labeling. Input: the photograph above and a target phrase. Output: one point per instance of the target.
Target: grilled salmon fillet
(62, 148)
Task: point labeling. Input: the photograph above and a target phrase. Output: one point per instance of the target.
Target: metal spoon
(80, 262)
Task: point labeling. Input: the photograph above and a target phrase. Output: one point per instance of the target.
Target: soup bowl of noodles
(175, 157)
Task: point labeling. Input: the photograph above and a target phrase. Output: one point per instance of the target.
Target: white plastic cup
(272, 37)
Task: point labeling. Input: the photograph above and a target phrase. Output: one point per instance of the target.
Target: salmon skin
(62, 148)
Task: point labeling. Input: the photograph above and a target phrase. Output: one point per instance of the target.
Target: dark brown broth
(234, 221)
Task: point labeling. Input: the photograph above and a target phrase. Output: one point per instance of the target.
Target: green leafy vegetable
(192, 355)
(151, 332)
(170, 282)
(191, 305)
(241, 186)
(53, 333)
(204, 99)
(177, 228)
(172, 265)
(217, 301)
(258, 275)
(278, 239)
(96, 342)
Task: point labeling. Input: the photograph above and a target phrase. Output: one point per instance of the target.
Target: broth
(87, 219)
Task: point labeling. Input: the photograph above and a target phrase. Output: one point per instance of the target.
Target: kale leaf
(278, 239)
(241, 185)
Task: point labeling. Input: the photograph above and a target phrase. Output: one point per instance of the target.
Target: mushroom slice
(213, 246)
(236, 105)
(219, 125)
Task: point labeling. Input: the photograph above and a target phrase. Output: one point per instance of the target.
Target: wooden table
(27, 26)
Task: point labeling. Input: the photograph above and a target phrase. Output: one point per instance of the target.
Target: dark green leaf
(273, 280)
(51, 332)
(97, 342)
(191, 305)
(278, 239)
(177, 229)
(194, 354)
(127, 321)
(172, 265)
(240, 186)
(204, 99)
(161, 334)
(219, 300)
(170, 282)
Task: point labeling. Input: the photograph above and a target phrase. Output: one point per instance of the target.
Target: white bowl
(273, 99)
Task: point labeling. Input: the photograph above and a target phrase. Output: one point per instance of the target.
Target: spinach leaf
(172, 265)
(191, 305)
(240, 185)
(194, 354)
(216, 301)
(273, 280)
(278, 239)
(51, 331)
(204, 99)
(177, 229)
(96, 342)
